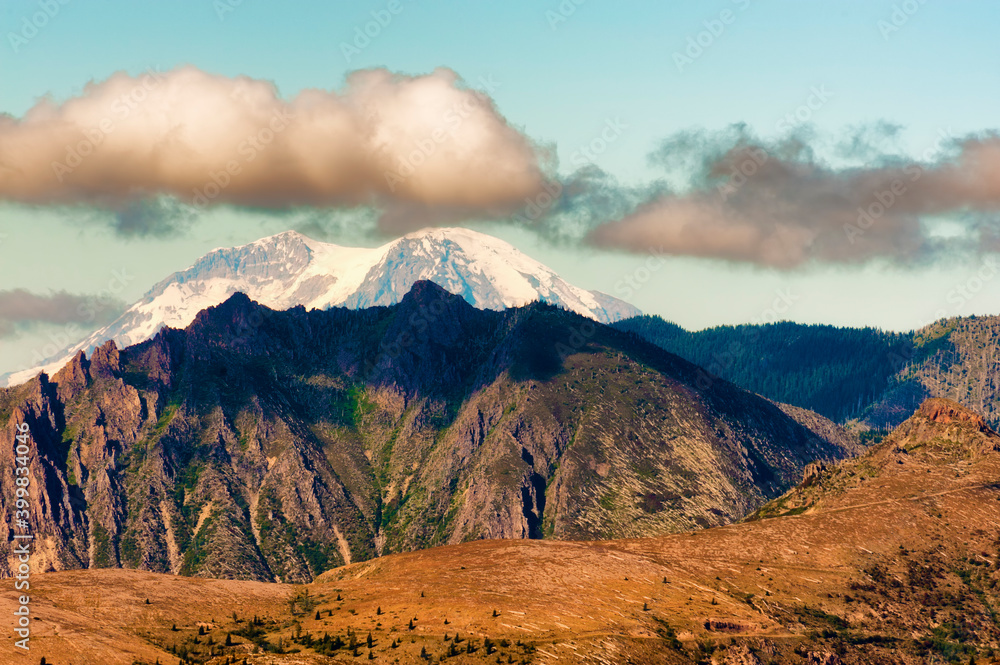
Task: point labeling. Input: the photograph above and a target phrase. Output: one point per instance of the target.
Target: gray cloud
(20, 309)
(871, 142)
(427, 150)
(157, 217)
(567, 210)
(776, 204)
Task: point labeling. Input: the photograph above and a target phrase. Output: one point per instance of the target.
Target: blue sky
(558, 82)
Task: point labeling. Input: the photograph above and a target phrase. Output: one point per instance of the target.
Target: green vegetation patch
(104, 552)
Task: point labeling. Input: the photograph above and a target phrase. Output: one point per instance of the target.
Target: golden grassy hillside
(889, 558)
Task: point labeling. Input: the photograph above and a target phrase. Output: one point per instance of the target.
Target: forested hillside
(957, 358)
(836, 372)
(870, 376)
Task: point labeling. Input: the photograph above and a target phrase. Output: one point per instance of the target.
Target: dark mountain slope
(275, 445)
(873, 378)
(836, 372)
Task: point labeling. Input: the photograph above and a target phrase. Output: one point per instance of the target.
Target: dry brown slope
(890, 558)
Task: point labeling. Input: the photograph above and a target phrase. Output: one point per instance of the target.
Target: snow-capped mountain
(289, 269)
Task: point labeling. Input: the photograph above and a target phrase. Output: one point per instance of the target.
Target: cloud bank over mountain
(20, 309)
(428, 150)
(385, 139)
(778, 204)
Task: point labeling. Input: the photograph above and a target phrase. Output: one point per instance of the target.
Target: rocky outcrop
(813, 472)
(275, 445)
(741, 654)
(941, 420)
(946, 411)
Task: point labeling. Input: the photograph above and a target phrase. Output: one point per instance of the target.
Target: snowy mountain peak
(282, 239)
(289, 269)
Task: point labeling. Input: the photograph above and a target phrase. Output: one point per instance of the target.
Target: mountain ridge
(289, 269)
(273, 445)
